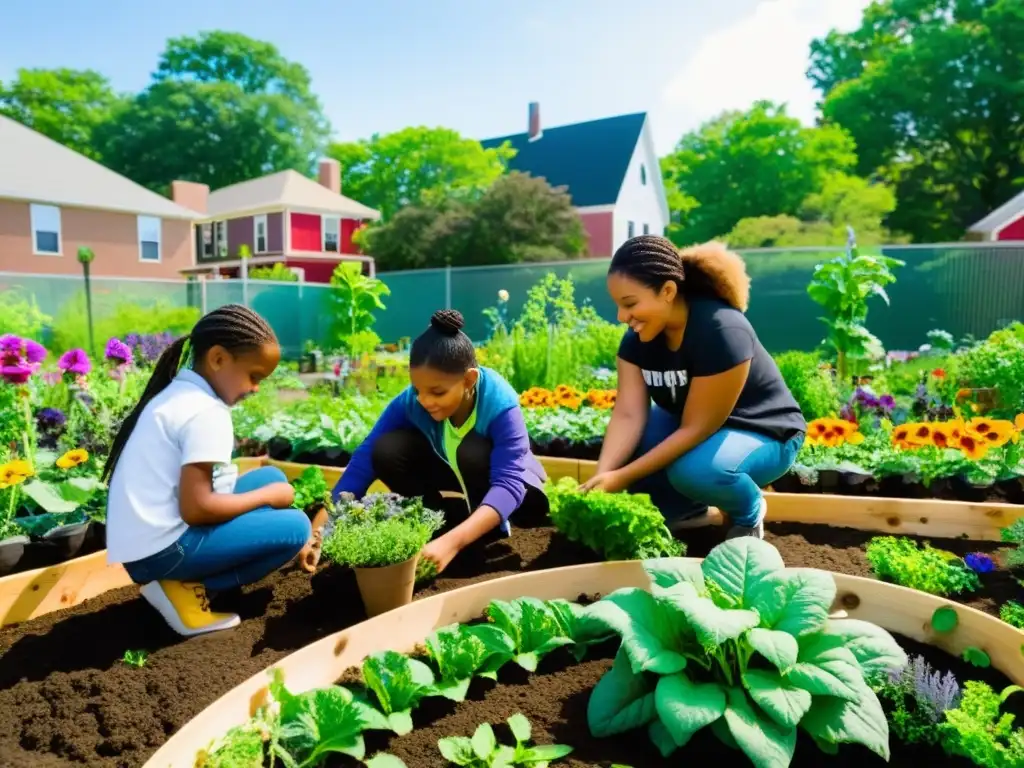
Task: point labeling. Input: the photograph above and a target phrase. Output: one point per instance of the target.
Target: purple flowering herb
(887, 402)
(934, 692)
(118, 352)
(979, 562)
(133, 340)
(75, 361)
(50, 419)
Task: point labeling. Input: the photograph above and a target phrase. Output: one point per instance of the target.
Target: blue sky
(473, 65)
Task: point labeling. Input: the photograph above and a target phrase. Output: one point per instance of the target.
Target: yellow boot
(185, 607)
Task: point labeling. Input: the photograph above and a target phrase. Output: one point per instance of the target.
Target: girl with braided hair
(456, 427)
(703, 416)
(179, 518)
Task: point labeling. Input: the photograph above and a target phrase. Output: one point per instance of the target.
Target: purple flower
(887, 402)
(979, 562)
(17, 371)
(132, 340)
(50, 419)
(934, 692)
(75, 361)
(118, 352)
(11, 345)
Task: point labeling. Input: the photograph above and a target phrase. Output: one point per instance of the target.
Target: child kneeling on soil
(457, 427)
(179, 517)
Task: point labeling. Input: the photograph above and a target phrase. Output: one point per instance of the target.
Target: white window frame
(323, 233)
(630, 230)
(256, 222)
(36, 211)
(150, 220)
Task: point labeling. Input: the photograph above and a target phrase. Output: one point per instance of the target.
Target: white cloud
(763, 55)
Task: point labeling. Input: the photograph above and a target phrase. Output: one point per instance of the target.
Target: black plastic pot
(829, 480)
(279, 448)
(789, 483)
(12, 551)
(325, 457)
(968, 491)
(857, 484)
(67, 540)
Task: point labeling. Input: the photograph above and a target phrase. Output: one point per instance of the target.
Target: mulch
(67, 699)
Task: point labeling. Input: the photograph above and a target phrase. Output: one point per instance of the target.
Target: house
(281, 218)
(1005, 223)
(609, 167)
(54, 201)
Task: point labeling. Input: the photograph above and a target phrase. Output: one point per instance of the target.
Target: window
(647, 229)
(332, 234)
(45, 230)
(630, 229)
(207, 241)
(149, 238)
(220, 239)
(643, 174)
(260, 233)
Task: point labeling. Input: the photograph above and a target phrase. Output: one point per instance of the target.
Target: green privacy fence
(964, 289)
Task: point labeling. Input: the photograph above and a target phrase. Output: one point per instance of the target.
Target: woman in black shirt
(723, 423)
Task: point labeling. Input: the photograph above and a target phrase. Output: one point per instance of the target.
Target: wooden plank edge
(897, 609)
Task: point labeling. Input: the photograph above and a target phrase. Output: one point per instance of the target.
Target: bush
(20, 314)
(813, 387)
(118, 320)
(997, 362)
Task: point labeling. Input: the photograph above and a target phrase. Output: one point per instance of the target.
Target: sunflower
(73, 458)
(995, 432)
(972, 446)
(15, 473)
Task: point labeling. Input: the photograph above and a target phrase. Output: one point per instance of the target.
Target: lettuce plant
(484, 751)
(461, 652)
(743, 645)
(398, 682)
(534, 627)
(978, 731)
(925, 569)
(311, 489)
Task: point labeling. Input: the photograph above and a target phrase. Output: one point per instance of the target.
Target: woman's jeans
(240, 551)
(726, 471)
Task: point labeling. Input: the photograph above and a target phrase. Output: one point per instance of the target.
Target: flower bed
(112, 713)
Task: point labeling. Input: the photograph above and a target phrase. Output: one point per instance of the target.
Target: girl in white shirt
(179, 517)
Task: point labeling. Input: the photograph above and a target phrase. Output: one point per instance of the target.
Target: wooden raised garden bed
(904, 612)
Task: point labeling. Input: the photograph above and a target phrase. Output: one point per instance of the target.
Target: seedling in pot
(484, 751)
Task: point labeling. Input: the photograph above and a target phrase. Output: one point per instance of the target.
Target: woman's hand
(612, 481)
(440, 551)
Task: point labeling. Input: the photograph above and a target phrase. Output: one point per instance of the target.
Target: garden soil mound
(67, 699)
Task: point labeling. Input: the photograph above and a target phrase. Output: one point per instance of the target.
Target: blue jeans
(726, 471)
(240, 551)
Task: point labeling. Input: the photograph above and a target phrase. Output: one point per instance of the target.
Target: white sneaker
(185, 607)
(756, 530)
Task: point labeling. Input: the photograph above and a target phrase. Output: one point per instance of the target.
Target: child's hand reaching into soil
(309, 557)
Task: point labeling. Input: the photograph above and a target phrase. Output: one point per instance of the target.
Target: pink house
(1004, 224)
(283, 218)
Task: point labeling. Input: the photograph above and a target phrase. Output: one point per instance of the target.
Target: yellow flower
(15, 473)
(73, 458)
(993, 431)
(972, 447)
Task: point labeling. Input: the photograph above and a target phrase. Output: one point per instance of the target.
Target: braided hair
(234, 327)
(443, 346)
(708, 270)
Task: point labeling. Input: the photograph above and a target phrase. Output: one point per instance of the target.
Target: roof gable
(1001, 217)
(38, 169)
(590, 158)
(284, 189)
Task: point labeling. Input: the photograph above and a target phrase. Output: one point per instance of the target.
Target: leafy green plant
(997, 363)
(461, 652)
(743, 645)
(354, 298)
(534, 627)
(919, 697)
(311, 489)
(484, 751)
(20, 314)
(1012, 613)
(398, 682)
(135, 658)
(380, 529)
(935, 571)
(619, 526)
(977, 731)
(277, 272)
(814, 387)
(1014, 535)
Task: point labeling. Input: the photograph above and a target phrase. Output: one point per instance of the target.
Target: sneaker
(185, 607)
(756, 530)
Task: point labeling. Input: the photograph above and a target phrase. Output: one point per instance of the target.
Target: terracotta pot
(385, 588)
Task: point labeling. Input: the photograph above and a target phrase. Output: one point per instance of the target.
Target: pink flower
(75, 361)
(17, 371)
(19, 358)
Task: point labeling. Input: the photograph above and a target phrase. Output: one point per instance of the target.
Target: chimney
(533, 126)
(330, 175)
(191, 195)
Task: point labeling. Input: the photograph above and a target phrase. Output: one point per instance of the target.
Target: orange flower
(973, 447)
(900, 437)
(1018, 422)
(918, 433)
(942, 436)
(995, 432)
(939, 373)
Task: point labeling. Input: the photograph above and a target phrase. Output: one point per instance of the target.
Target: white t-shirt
(186, 423)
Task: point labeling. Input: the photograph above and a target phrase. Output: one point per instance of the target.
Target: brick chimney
(191, 195)
(533, 125)
(330, 175)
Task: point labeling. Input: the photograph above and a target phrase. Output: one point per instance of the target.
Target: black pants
(407, 464)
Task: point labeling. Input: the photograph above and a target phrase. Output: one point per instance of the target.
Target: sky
(472, 65)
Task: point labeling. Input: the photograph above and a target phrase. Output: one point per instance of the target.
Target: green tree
(416, 165)
(519, 218)
(222, 108)
(933, 93)
(746, 164)
(67, 105)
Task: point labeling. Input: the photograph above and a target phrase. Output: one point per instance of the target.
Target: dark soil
(67, 699)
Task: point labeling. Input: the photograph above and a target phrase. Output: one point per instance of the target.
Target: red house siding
(1013, 231)
(348, 228)
(316, 271)
(599, 228)
(306, 232)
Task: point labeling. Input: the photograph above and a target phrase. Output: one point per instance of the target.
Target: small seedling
(484, 751)
(135, 658)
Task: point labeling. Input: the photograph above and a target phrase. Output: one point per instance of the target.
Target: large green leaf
(780, 648)
(739, 565)
(666, 572)
(875, 649)
(621, 700)
(765, 743)
(782, 702)
(713, 625)
(685, 707)
(49, 497)
(840, 721)
(795, 600)
(825, 669)
(651, 629)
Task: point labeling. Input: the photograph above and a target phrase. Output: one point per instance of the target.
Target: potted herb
(380, 537)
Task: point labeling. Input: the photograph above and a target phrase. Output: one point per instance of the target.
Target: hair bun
(447, 321)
